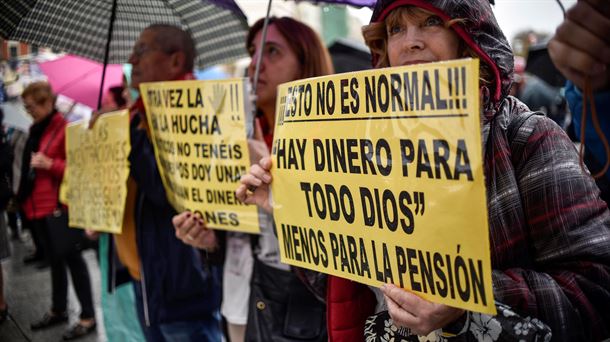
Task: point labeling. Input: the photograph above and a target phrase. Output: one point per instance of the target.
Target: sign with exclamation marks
(201, 148)
(234, 100)
(378, 178)
(456, 78)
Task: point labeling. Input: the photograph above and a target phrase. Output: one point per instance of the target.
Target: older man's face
(150, 63)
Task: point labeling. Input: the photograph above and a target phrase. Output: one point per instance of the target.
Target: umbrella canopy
(539, 63)
(81, 27)
(357, 3)
(349, 56)
(79, 78)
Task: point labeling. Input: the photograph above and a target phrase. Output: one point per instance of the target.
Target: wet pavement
(28, 294)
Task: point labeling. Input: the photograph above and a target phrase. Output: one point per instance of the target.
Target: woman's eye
(433, 20)
(394, 30)
(272, 50)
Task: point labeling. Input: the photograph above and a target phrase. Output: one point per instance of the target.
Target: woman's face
(37, 111)
(279, 65)
(108, 103)
(420, 38)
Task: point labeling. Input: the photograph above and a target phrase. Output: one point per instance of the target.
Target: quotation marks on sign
(384, 209)
(420, 203)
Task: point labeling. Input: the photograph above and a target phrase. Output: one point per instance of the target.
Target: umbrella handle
(106, 53)
(259, 58)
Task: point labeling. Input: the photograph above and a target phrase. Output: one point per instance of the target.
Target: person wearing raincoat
(549, 230)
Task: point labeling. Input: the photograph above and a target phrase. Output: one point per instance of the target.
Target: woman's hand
(191, 229)
(94, 117)
(92, 234)
(580, 48)
(41, 161)
(419, 315)
(254, 188)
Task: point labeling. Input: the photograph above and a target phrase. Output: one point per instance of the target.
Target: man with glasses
(177, 288)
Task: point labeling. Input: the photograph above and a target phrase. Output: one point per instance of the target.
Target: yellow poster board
(378, 178)
(97, 168)
(198, 129)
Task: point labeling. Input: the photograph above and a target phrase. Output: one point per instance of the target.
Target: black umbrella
(348, 55)
(539, 63)
(105, 30)
(357, 3)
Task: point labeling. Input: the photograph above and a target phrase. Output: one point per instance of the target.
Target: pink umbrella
(79, 78)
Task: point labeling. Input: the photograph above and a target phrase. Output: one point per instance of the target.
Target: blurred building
(13, 50)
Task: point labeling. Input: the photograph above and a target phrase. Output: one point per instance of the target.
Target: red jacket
(348, 305)
(45, 192)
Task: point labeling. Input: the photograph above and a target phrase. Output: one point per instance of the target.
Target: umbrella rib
(175, 13)
(16, 14)
(21, 18)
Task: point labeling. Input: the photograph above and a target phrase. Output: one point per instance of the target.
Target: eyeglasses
(141, 50)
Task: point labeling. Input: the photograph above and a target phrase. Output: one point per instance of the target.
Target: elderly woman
(42, 172)
(549, 230)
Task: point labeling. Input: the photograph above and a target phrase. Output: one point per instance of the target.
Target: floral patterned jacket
(506, 326)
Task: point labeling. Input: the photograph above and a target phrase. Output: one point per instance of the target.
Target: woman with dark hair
(549, 230)
(43, 167)
(114, 99)
(292, 51)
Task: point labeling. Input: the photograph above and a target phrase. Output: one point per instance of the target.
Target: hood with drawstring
(478, 28)
(549, 231)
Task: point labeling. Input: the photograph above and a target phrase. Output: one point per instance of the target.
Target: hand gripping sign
(97, 168)
(198, 129)
(378, 178)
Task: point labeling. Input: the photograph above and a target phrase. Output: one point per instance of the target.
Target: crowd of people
(548, 220)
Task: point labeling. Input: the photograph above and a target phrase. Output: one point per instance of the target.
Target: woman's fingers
(566, 55)
(581, 39)
(400, 316)
(401, 297)
(580, 48)
(185, 223)
(592, 15)
(577, 65)
(251, 180)
(258, 172)
(265, 163)
(179, 219)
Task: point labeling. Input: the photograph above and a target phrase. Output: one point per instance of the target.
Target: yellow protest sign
(378, 178)
(97, 168)
(198, 129)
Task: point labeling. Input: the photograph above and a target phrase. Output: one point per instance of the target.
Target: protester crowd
(549, 224)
